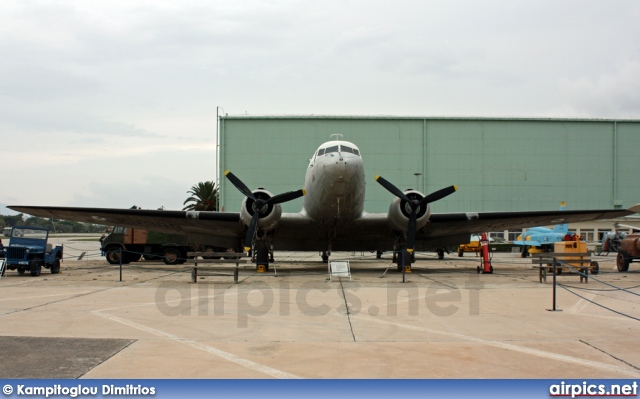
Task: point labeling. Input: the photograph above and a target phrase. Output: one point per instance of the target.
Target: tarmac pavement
(446, 321)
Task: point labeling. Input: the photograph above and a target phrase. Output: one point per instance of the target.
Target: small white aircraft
(332, 216)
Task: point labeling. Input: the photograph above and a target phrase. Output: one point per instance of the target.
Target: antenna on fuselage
(338, 136)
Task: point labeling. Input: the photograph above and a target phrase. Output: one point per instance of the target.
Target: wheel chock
(261, 269)
(407, 269)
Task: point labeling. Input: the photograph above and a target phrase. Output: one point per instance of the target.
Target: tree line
(55, 226)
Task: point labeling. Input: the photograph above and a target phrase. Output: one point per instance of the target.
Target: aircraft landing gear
(262, 258)
(404, 262)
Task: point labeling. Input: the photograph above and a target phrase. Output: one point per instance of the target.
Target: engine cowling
(399, 212)
(269, 214)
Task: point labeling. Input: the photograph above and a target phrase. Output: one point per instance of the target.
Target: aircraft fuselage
(335, 184)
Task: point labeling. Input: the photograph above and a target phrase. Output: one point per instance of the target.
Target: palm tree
(204, 197)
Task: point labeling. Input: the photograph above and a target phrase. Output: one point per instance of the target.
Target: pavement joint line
(21, 298)
(348, 313)
(516, 348)
(206, 348)
(609, 354)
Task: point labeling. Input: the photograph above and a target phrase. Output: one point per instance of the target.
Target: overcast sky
(113, 103)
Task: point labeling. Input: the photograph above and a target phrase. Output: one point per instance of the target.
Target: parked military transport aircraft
(332, 216)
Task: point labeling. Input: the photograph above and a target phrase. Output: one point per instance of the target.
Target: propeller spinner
(415, 205)
(259, 204)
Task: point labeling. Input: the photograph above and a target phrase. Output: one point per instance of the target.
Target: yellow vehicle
(474, 245)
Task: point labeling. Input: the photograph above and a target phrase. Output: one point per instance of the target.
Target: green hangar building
(498, 164)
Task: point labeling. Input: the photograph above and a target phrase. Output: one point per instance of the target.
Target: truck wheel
(55, 267)
(622, 261)
(171, 256)
(35, 266)
(20, 270)
(113, 256)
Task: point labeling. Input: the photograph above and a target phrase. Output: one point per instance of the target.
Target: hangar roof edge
(456, 118)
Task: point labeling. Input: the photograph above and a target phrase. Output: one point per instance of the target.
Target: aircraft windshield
(336, 148)
(329, 150)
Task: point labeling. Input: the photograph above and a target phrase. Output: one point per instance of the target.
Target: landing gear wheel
(262, 258)
(622, 261)
(407, 260)
(35, 266)
(55, 268)
(171, 256)
(325, 257)
(440, 252)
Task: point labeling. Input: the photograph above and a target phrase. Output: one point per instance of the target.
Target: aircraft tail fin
(562, 228)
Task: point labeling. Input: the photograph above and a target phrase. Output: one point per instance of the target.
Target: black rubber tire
(171, 256)
(21, 270)
(35, 266)
(622, 261)
(55, 267)
(594, 268)
(262, 257)
(112, 254)
(460, 253)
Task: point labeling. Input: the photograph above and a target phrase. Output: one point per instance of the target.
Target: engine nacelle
(400, 211)
(269, 214)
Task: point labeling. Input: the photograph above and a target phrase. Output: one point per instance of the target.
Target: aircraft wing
(454, 228)
(530, 243)
(299, 232)
(221, 228)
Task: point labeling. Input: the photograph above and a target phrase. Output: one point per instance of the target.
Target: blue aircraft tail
(562, 228)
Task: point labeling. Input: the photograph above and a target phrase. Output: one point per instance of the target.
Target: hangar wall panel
(498, 164)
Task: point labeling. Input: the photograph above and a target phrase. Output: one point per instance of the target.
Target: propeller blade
(411, 231)
(239, 184)
(251, 231)
(392, 189)
(284, 197)
(438, 195)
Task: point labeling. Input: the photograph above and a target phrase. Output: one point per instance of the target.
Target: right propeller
(415, 205)
(259, 204)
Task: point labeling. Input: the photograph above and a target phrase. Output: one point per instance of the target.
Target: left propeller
(260, 204)
(415, 205)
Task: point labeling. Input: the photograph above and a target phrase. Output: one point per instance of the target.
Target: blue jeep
(28, 250)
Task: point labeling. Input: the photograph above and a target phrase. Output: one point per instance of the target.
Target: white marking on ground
(515, 348)
(206, 348)
(21, 298)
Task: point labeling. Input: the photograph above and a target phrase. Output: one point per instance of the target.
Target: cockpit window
(331, 149)
(344, 148)
(356, 152)
(321, 151)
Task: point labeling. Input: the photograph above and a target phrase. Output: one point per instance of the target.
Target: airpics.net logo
(593, 390)
(318, 299)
